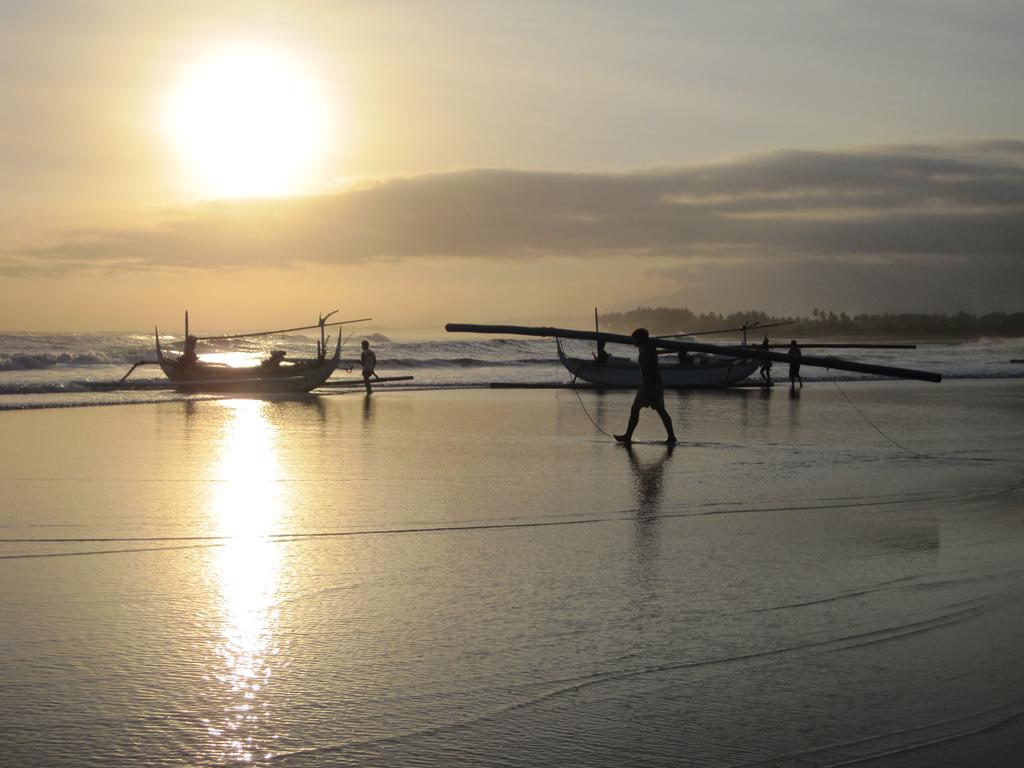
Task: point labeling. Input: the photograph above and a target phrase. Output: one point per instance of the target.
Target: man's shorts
(650, 397)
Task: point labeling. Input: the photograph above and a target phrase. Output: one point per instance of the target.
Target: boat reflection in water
(246, 508)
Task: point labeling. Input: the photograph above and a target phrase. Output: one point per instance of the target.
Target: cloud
(925, 203)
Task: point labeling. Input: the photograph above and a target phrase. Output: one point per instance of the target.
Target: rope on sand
(853, 405)
(836, 383)
(986, 460)
(875, 426)
(596, 425)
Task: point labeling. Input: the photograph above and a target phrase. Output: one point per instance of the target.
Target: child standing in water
(368, 360)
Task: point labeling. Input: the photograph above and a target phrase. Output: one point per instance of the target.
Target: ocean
(57, 369)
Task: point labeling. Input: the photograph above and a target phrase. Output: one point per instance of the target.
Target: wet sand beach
(482, 578)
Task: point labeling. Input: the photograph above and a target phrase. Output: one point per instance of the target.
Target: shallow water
(482, 578)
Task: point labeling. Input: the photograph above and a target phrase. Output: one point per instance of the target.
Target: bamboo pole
(821, 346)
(282, 330)
(359, 382)
(847, 346)
(744, 328)
(141, 362)
(752, 353)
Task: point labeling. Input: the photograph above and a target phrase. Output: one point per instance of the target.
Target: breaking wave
(28, 361)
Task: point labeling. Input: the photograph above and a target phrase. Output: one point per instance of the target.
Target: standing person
(794, 365)
(189, 356)
(652, 391)
(766, 366)
(368, 360)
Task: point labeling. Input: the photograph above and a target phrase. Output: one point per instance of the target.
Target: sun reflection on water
(246, 507)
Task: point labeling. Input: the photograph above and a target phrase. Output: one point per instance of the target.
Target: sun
(248, 122)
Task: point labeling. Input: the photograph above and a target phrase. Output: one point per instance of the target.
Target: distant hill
(822, 324)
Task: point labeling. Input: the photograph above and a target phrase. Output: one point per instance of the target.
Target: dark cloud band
(928, 202)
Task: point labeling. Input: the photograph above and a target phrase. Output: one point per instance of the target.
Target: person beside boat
(189, 356)
(651, 393)
(766, 366)
(274, 361)
(794, 365)
(368, 360)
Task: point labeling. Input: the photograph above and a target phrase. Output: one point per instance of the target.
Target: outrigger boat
(701, 370)
(752, 354)
(693, 370)
(275, 375)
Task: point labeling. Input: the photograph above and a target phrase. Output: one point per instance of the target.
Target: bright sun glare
(249, 122)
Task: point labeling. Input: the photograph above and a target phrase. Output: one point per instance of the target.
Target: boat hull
(282, 378)
(287, 379)
(625, 374)
(273, 376)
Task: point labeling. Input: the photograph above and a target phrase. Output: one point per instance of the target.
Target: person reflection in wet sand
(647, 479)
(652, 391)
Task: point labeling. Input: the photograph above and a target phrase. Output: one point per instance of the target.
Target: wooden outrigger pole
(752, 353)
(843, 345)
(759, 326)
(755, 326)
(281, 330)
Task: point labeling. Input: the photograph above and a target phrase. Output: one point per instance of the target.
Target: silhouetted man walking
(652, 391)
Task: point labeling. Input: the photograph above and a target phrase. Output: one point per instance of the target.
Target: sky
(259, 162)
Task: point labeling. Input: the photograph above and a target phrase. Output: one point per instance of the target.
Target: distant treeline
(821, 324)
